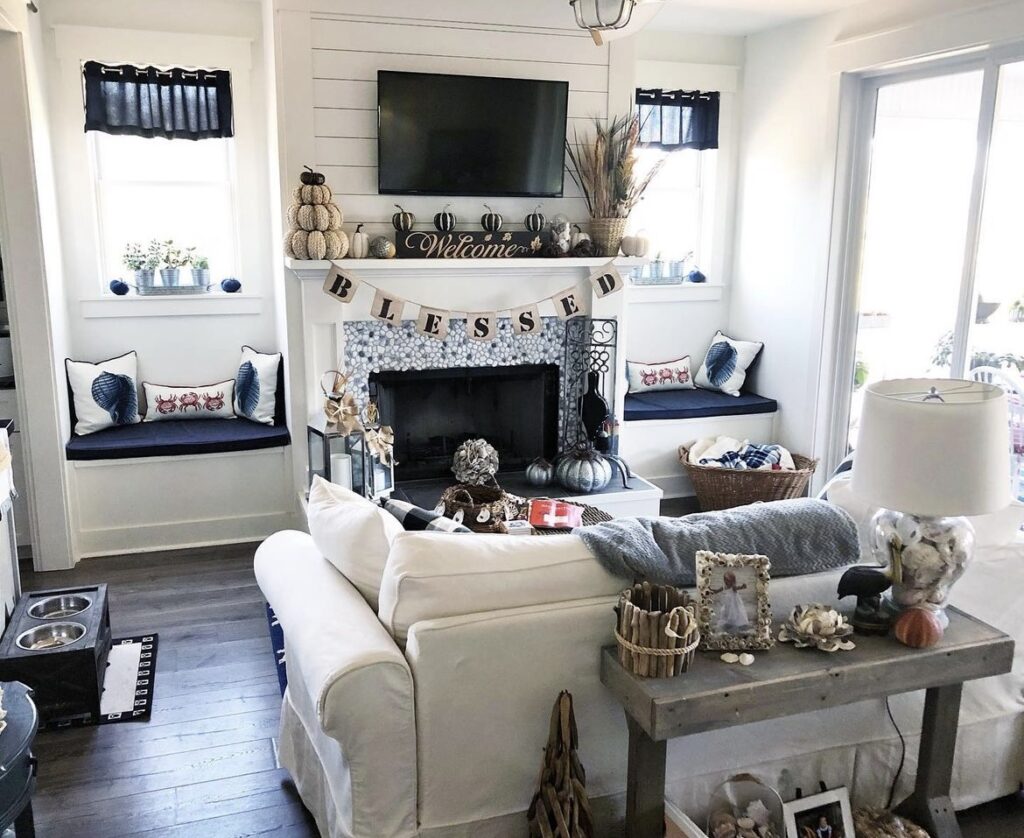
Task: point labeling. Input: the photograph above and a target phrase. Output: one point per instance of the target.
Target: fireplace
(515, 408)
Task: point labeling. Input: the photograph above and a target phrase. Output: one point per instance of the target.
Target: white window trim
(858, 94)
(75, 161)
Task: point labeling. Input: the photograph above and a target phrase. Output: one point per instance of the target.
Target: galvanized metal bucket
(169, 277)
(144, 278)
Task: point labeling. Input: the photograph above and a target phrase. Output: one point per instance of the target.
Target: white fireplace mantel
(315, 270)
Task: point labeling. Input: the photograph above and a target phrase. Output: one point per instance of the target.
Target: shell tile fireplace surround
(334, 332)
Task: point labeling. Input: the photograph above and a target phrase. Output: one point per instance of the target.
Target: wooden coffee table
(786, 681)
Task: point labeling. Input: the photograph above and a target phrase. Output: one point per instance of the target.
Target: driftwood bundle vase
(560, 807)
(656, 630)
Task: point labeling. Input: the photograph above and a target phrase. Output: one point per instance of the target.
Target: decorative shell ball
(817, 626)
(475, 462)
(382, 248)
(314, 221)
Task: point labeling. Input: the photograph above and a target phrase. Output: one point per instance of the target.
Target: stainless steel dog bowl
(60, 607)
(50, 636)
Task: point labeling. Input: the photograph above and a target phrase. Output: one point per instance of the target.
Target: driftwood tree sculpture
(560, 808)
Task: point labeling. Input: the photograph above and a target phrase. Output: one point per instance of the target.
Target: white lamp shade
(937, 453)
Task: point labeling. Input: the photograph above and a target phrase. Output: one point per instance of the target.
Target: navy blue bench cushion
(176, 437)
(694, 404)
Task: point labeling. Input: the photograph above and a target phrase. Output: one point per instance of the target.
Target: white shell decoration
(817, 626)
(730, 657)
(459, 516)
(484, 515)
(746, 659)
(439, 509)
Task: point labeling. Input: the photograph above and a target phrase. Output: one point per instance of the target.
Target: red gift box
(555, 515)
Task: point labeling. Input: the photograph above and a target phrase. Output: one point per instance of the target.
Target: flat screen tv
(470, 135)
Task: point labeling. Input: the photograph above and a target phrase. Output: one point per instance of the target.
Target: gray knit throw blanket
(798, 536)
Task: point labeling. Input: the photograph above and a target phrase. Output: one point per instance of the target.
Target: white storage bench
(179, 483)
(657, 423)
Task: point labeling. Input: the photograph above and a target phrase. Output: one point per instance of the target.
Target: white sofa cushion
(430, 575)
(352, 533)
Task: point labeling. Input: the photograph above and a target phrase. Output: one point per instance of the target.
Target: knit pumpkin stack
(314, 221)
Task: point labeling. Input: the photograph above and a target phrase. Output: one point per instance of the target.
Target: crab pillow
(667, 375)
(208, 401)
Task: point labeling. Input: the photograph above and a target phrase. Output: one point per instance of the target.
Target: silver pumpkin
(583, 471)
(540, 473)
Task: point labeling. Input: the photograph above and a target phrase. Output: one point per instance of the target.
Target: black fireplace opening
(515, 408)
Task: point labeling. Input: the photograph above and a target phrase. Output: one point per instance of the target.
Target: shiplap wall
(352, 39)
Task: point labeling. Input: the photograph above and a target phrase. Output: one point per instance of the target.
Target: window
(152, 188)
(677, 207)
(938, 285)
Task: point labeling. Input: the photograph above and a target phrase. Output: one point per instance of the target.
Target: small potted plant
(142, 262)
(173, 257)
(1017, 310)
(200, 269)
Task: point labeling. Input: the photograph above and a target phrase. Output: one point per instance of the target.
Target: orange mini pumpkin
(918, 628)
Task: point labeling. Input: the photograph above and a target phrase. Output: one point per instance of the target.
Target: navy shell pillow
(725, 366)
(256, 385)
(105, 394)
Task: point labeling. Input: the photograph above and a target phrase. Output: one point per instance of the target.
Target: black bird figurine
(867, 583)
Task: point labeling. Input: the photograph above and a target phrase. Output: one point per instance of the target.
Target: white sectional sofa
(427, 716)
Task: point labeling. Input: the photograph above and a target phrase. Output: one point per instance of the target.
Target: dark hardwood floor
(204, 764)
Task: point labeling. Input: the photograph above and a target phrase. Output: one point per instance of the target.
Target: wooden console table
(786, 681)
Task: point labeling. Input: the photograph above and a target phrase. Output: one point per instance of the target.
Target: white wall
(787, 178)
(178, 342)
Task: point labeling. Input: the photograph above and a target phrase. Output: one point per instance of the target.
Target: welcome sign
(510, 244)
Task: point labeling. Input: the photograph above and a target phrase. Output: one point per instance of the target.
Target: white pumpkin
(313, 217)
(293, 216)
(337, 244)
(314, 195)
(578, 236)
(335, 216)
(635, 245)
(360, 244)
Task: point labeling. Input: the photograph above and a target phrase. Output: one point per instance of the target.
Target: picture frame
(824, 815)
(734, 612)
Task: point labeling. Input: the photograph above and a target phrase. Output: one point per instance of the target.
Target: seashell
(484, 515)
(439, 509)
(746, 659)
(918, 628)
(459, 516)
(746, 823)
(730, 657)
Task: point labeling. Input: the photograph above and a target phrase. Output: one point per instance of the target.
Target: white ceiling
(738, 17)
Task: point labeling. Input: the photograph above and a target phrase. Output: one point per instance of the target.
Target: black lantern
(346, 459)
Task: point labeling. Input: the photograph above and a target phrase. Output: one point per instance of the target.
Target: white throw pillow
(353, 534)
(725, 365)
(667, 375)
(256, 385)
(105, 394)
(208, 401)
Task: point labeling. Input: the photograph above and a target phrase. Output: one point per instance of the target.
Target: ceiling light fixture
(608, 19)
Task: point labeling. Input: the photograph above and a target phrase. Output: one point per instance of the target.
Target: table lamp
(929, 452)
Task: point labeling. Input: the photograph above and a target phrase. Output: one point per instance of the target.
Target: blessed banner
(568, 303)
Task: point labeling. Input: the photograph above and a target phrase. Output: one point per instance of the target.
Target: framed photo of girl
(734, 613)
(825, 815)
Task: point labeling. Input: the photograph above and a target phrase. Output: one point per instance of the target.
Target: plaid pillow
(415, 518)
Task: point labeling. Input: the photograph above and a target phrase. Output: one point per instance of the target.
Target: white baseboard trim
(176, 535)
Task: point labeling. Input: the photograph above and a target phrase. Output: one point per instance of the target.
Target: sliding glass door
(935, 258)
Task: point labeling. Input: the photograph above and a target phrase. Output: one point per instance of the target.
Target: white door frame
(29, 302)
(858, 98)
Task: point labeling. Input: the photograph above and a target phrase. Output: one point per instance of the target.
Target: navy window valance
(672, 119)
(150, 102)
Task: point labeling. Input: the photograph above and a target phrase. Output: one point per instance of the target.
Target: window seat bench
(176, 437)
(693, 404)
(657, 423)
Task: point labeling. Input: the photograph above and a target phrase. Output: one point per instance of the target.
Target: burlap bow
(382, 443)
(343, 412)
